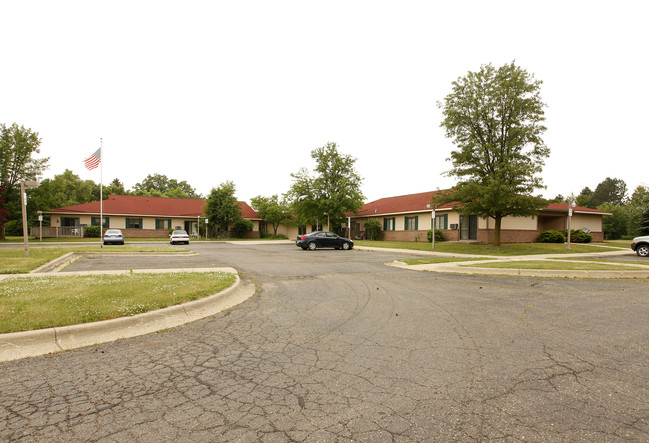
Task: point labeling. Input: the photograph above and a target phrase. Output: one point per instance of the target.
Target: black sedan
(323, 239)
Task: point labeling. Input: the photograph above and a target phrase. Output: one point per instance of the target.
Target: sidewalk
(468, 267)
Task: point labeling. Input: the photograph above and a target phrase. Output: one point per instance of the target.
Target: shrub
(92, 232)
(273, 236)
(439, 235)
(372, 228)
(579, 236)
(242, 226)
(551, 237)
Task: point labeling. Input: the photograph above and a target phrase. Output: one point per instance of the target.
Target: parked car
(179, 236)
(641, 246)
(323, 239)
(113, 236)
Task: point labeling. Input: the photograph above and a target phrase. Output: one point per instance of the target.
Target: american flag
(93, 161)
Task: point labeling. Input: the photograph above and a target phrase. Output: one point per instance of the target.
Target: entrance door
(468, 227)
(190, 227)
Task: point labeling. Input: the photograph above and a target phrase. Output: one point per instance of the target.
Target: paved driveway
(336, 346)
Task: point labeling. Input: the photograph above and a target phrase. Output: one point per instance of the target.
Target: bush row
(576, 236)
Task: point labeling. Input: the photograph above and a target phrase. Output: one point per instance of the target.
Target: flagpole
(101, 193)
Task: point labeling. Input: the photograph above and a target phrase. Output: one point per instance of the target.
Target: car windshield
(179, 233)
(113, 232)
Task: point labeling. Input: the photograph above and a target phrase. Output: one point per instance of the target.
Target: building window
(94, 221)
(133, 223)
(163, 223)
(388, 224)
(441, 221)
(411, 223)
(70, 221)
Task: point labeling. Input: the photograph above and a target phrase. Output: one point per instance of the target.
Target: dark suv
(641, 246)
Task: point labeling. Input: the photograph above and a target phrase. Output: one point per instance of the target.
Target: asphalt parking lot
(336, 346)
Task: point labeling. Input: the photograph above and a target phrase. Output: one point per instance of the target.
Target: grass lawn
(45, 302)
(510, 249)
(13, 260)
(427, 261)
(562, 265)
(634, 262)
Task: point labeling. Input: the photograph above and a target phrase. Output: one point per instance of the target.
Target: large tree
(495, 118)
(272, 210)
(221, 207)
(17, 147)
(333, 190)
(64, 189)
(159, 185)
(611, 190)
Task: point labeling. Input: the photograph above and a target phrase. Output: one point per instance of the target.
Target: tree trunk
(497, 230)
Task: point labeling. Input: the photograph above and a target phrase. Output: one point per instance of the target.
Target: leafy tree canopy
(272, 210)
(611, 190)
(158, 185)
(333, 190)
(494, 117)
(65, 189)
(17, 147)
(221, 207)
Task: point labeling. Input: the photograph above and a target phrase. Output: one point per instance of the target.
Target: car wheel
(642, 251)
(312, 246)
(122, 243)
(186, 242)
(345, 246)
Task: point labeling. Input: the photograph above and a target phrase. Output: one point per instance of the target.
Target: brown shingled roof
(150, 206)
(401, 204)
(419, 202)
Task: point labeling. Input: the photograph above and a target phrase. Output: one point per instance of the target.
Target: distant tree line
(630, 214)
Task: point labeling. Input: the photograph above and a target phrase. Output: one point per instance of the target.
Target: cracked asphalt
(336, 346)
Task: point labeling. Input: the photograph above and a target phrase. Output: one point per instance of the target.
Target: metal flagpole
(101, 193)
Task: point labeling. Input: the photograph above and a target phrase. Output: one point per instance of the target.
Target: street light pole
(570, 206)
(40, 225)
(23, 203)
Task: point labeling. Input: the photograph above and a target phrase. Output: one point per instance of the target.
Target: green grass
(45, 302)
(626, 262)
(554, 265)
(427, 261)
(13, 260)
(510, 249)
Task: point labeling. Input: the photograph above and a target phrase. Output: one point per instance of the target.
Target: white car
(179, 236)
(641, 246)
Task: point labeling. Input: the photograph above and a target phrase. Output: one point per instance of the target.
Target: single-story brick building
(409, 217)
(138, 217)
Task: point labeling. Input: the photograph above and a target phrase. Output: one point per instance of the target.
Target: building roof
(420, 202)
(149, 206)
(401, 204)
(563, 207)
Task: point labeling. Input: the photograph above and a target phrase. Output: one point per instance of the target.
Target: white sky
(209, 91)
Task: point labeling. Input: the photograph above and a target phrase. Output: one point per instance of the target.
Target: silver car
(113, 236)
(641, 246)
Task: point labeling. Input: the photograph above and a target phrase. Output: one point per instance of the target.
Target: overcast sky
(211, 91)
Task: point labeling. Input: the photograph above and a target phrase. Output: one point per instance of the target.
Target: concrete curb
(59, 263)
(18, 345)
(460, 268)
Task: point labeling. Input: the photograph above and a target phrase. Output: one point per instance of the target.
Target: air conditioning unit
(454, 226)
